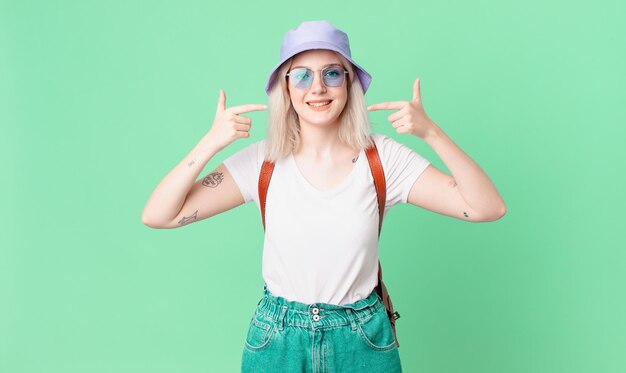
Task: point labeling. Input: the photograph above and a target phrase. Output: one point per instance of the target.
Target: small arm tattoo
(191, 163)
(355, 159)
(213, 179)
(187, 219)
(465, 214)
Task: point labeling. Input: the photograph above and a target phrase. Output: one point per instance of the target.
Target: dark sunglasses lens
(301, 78)
(333, 76)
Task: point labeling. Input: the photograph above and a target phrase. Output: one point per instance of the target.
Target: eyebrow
(325, 66)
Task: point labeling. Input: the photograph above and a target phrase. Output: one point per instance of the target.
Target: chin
(321, 122)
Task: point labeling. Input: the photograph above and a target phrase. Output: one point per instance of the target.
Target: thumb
(416, 90)
(221, 101)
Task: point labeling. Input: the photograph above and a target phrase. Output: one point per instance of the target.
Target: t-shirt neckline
(334, 190)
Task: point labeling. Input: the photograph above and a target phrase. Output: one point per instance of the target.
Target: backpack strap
(378, 174)
(264, 182)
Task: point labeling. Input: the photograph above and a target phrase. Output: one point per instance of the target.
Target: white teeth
(319, 104)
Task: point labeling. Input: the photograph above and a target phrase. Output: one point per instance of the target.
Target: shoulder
(244, 165)
(249, 156)
(384, 140)
(393, 153)
(258, 145)
(378, 138)
(253, 149)
(385, 144)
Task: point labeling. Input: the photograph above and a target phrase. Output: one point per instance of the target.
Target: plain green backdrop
(99, 100)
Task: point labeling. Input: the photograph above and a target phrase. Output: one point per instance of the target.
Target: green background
(99, 100)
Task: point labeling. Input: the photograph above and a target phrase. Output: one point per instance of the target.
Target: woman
(319, 310)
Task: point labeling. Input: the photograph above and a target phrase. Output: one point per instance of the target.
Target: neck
(319, 141)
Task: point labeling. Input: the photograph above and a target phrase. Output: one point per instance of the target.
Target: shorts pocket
(260, 333)
(376, 331)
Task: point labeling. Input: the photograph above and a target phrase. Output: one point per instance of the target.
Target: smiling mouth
(319, 104)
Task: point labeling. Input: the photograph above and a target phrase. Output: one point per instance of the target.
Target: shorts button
(316, 317)
(315, 310)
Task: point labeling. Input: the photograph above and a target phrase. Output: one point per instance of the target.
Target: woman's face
(318, 92)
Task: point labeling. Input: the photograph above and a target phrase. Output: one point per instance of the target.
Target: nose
(317, 86)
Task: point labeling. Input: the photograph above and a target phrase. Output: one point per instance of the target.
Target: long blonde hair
(283, 129)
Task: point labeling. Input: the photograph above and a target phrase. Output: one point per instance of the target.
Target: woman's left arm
(468, 194)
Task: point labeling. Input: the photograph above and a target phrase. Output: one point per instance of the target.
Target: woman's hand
(410, 117)
(468, 190)
(228, 125)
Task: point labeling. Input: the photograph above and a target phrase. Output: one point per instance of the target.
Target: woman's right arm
(180, 200)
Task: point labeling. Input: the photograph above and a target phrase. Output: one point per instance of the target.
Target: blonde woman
(319, 311)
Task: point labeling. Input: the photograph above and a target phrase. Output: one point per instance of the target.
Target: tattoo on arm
(187, 219)
(193, 161)
(453, 184)
(213, 179)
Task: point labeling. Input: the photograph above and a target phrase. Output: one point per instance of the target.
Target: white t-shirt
(322, 246)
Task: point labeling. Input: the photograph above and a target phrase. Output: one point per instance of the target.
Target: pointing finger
(247, 108)
(393, 105)
(416, 90)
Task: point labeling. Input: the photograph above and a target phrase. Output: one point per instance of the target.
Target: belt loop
(352, 318)
(281, 318)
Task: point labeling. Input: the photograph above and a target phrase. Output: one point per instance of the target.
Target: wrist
(433, 133)
(208, 145)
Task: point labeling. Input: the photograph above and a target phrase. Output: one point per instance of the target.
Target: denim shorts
(289, 336)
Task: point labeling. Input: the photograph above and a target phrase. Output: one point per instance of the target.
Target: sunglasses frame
(345, 73)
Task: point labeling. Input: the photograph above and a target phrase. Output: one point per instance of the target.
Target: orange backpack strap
(379, 182)
(264, 182)
(378, 173)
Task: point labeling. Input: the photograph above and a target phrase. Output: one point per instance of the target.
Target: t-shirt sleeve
(402, 167)
(245, 166)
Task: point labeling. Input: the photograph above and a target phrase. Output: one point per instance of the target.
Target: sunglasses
(332, 76)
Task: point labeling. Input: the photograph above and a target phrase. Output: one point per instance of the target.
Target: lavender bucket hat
(317, 35)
